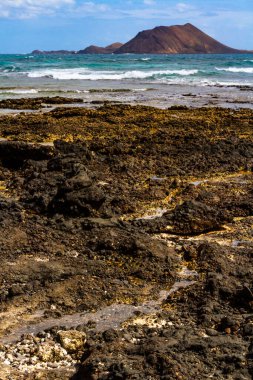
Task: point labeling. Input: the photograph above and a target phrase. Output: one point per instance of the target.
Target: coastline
(154, 80)
(162, 96)
(142, 206)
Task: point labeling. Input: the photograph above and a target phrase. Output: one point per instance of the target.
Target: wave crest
(85, 74)
(247, 70)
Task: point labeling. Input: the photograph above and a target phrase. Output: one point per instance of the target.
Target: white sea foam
(206, 82)
(18, 91)
(142, 59)
(10, 69)
(85, 74)
(193, 81)
(247, 70)
(139, 89)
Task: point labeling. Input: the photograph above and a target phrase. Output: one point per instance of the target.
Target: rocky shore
(126, 243)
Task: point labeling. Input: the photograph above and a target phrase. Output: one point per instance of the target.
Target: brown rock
(176, 39)
(49, 352)
(72, 340)
(93, 49)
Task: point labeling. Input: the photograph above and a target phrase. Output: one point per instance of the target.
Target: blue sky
(26, 25)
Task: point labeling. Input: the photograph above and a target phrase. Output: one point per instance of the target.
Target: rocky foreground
(126, 244)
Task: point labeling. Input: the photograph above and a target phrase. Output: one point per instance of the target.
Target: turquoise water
(31, 75)
(209, 69)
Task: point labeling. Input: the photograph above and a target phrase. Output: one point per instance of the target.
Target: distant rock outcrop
(177, 39)
(41, 52)
(92, 49)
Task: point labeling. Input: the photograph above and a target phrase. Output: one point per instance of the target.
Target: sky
(26, 25)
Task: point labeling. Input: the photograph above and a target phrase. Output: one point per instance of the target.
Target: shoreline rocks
(74, 240)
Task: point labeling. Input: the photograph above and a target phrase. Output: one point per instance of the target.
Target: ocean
(157, 80)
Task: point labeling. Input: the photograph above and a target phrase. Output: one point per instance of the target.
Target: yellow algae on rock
(49, 352)
(72, 340)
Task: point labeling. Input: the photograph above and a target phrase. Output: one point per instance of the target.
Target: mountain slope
(177, 39)
(93, 49)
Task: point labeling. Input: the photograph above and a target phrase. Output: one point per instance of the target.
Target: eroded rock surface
(134, 201)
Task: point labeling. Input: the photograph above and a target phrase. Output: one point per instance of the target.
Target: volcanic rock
(194, 217)
(93, 49)
(176, 39)
(72, 340)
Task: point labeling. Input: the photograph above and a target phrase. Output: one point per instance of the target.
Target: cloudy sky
(73, 24)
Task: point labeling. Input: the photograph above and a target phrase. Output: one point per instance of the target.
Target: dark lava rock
(13, 153)
(248, 329)
(190, 218)
(194, 217)
(66, 245)
(178, 356)
(36, 103)
(10, 211)
(62, 184)
(77, 202)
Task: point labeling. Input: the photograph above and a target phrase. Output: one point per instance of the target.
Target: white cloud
(91, 7)
(25, 9)
(34, 3)
(149, 2)
(182, 7)
(31, 8)
(180, 11)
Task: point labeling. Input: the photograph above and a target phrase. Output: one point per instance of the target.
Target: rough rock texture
(72, 340)
(177, 39)
(194, 217)
(126, 250)
(36, 103)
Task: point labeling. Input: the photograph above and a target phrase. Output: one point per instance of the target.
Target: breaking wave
(85, 74)
(247, 70)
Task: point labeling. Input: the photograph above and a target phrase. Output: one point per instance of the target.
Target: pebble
(248, 329)
(25, 355)
(10, 357)
(52, 365)
(211, 332)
